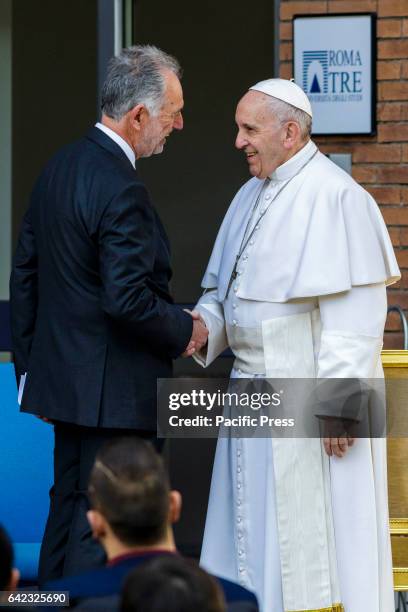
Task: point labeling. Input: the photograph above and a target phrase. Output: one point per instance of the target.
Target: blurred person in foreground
(93, 322)
(296, 287)
(9, 576)
(171, 584)
(132, 512)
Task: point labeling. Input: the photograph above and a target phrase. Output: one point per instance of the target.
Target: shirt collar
(136, 554)
(293, 165)
(119, 141)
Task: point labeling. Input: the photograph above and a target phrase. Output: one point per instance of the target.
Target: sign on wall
(334, 63)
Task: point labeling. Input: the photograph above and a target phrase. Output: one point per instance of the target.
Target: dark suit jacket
(97, 588)
(93, 322)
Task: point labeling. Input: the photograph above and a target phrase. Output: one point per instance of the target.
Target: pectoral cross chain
(246, 239)
(234, 274)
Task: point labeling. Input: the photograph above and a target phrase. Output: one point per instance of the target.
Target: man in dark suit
(132, 512)
(93, 322)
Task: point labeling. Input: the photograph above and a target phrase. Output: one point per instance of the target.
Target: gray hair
(286, 112)
(136, 77)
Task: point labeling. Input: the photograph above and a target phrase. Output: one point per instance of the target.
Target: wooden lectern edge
(394, 358)
(398, 526)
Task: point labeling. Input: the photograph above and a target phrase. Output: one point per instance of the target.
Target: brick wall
(380, 162)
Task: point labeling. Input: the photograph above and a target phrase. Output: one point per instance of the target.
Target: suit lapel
(100, 138)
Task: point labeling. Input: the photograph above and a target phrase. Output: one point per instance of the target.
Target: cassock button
(238, 502)
(262, 211)
(241, 569)
(234, 306)
(235, 322)
(235, 289)
(239, 520)
(241, 552)
(251, 242)
(239, 272)
(238, 453)
(238, 485)
(267, 197)
(245, 257)
(256, 228)
(238, 470)
(240, 535)
(239, 371)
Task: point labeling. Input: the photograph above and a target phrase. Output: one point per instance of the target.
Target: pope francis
(296, 287)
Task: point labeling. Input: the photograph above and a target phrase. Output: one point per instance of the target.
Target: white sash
(302, 474)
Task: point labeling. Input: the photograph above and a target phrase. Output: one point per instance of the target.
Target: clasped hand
(199, 336)
(337, 436)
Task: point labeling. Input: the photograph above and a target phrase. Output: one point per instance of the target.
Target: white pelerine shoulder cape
(322, 235)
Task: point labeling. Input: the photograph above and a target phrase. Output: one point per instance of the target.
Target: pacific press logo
(333, 75)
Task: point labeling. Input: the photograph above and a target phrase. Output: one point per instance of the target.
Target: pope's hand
(338, 446)
(199, 336)
(338, 436)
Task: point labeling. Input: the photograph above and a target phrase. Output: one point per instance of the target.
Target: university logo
(315, 72)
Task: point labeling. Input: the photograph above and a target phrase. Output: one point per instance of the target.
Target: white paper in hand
(21, 387)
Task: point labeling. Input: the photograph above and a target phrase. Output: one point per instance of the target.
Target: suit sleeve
(23, 296)
(126, 252)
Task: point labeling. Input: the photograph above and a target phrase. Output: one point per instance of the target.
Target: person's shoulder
(242, 606)
(330, 174)
(61, 156)
(75, 583)
(88, 584)
(236, 592)
(88, 157)
(98, 582)
(335, 183)
(246, 192)
(110, 602)
(250, 186)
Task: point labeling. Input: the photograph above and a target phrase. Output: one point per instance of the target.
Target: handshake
(199, 336)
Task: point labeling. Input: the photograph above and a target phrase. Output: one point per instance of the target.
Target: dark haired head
(6, 560)
(129, 487)
(171, 584)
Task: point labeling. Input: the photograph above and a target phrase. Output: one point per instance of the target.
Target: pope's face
(169, 118)
(260, 135)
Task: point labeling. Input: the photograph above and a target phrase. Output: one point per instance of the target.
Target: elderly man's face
(260, 135)
(168, 119)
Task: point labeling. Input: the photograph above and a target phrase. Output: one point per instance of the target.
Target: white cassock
(303, 531)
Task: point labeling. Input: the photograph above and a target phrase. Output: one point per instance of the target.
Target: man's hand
(44, 419)
(199, 336)
(338, 446)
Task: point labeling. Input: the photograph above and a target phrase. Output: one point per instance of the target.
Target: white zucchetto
(287, 91)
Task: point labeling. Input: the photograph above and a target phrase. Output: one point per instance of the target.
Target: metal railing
(404, 322)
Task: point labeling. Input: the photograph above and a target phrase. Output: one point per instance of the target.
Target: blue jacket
(89, 590)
